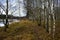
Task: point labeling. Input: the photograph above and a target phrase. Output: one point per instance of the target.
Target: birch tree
(53, 15)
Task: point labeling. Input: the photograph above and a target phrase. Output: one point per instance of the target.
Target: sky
(13, 6)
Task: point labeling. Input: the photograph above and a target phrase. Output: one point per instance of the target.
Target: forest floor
(24, 30)
(57, 32)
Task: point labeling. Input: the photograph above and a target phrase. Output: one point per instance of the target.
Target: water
(10, 21)
(1, 24)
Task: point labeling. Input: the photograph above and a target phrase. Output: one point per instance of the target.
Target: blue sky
(14, 6)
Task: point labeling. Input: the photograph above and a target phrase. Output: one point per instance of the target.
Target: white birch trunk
(52, 11)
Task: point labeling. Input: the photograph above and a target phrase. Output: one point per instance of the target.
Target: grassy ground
(57, 34)
(24, 30)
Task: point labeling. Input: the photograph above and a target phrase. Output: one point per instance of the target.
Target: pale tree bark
(42, 12)
(46, 15)
(53, 14)
(53, 18)
(50, 17)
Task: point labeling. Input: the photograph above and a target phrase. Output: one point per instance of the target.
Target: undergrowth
(25, 30)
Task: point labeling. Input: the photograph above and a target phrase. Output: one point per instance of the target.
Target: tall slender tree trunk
(6, 25)
(53, 20)
(53, 17)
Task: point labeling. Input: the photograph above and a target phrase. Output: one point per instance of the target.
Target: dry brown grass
(57, 34)
(25, 30)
